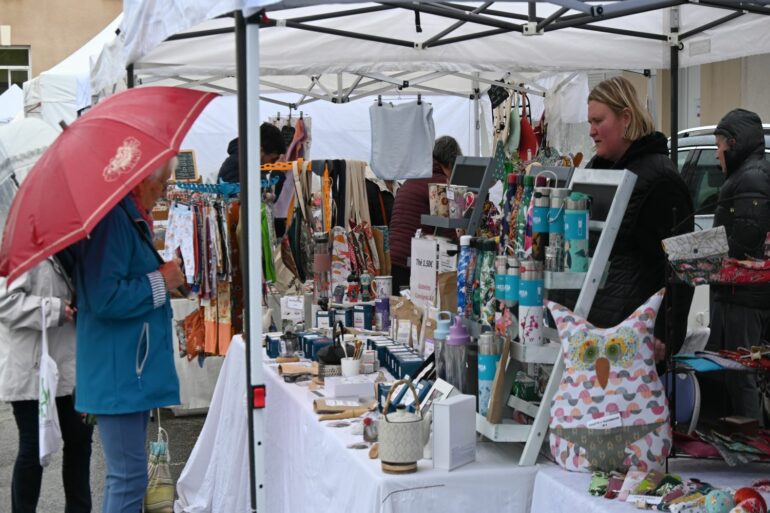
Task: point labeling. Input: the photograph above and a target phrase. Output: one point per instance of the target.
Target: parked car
(700, 169)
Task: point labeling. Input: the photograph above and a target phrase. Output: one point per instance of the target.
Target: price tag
(337, 402)
(606, 422)
(649, 500)
(295, 303)
(450, 194)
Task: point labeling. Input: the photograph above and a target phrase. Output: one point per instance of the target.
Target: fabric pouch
(159, 497)
(697, 257)
(48, 421)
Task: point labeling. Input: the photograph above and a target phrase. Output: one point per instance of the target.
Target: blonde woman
(660, 206)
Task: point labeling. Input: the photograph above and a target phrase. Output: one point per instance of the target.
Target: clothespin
(419, 99)
(301, 114)
(379, 100)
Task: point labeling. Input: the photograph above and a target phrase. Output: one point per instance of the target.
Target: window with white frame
(14, 66)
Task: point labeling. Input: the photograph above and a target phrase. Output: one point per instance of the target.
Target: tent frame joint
(673, 40)
(531, 28)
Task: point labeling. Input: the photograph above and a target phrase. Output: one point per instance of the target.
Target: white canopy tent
(315, 66)
(60, 92)
(11, 104)
(561, 35)
(449, 48)
(304, 42)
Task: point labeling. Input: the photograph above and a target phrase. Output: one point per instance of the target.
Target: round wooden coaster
(399, 468)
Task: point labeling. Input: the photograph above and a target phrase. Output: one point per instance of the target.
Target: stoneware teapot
(402, 435)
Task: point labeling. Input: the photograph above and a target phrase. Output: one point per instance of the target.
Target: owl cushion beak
(602, 367)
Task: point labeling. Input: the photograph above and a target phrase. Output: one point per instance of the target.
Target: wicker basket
(325, 371)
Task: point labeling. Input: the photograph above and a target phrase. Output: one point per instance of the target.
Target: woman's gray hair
(170, 165)
(446, 150)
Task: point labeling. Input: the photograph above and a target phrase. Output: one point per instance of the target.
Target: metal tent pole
(247, 62)
(674, 45)
(476, 117)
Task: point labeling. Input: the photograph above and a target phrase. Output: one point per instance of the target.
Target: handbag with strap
(49, 430)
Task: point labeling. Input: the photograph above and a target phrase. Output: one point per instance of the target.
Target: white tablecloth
(216, 476)
(196, 383)
(309, 468)
(557, 490)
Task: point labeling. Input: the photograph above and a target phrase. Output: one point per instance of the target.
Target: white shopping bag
(50, 440)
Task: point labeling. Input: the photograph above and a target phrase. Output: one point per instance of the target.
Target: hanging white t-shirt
(402, 140)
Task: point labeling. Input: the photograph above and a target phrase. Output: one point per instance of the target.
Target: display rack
(472, 219)
(615, 187)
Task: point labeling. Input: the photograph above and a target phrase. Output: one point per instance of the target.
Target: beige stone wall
(53, 29)
(721, 89)
(756, 79)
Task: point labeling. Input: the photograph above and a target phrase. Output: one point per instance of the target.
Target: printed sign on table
(422, 281)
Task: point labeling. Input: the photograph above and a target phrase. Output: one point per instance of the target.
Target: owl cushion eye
(615, 349)
(589, 351)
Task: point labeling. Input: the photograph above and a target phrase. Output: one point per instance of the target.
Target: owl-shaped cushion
(611, 411)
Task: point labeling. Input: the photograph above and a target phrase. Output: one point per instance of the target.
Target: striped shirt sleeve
(158, 285)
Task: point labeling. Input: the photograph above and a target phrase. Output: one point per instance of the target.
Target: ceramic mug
(437, 199)
(456, 197)
(442, 201)
(350, 367)
(433, 198)
(383, 286)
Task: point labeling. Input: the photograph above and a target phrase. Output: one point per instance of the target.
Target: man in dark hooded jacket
(740, 314)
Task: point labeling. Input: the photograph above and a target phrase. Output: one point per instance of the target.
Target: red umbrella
(91, 166)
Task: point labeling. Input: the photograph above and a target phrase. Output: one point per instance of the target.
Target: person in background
(659, 207)
(125, 356)
(740, 314)
(411, 203)
(380, 194)
(21, 324)
(272, 148)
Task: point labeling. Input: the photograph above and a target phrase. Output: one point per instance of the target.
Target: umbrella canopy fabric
(91, 166)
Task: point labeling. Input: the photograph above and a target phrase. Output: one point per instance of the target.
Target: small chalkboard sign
(187, 169)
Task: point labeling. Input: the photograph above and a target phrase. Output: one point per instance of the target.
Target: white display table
(310, 469)
(557, 490)
(196, 383)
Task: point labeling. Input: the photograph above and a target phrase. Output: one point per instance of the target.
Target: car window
(681, 158)
(705, 180)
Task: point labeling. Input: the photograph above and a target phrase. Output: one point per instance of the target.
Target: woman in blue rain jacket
(124, 358)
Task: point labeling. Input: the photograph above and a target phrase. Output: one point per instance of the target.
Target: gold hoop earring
(625, 132)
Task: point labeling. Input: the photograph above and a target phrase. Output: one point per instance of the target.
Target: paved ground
(182, 433)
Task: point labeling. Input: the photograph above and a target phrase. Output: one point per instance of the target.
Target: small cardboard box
(306, 341)
(353, 386)
(316, 345)
(407, 364)
(274, 344)
(363, 316)
(324, 319)
(391, 357)
(454, 432)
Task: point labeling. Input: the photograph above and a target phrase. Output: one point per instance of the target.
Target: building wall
(721, 89)
(53, 29)
(756, 77)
